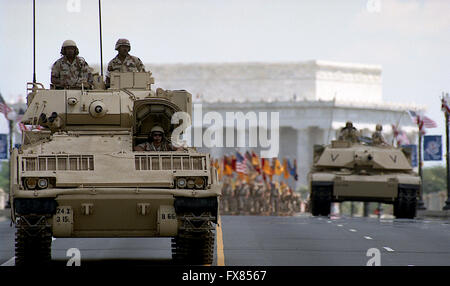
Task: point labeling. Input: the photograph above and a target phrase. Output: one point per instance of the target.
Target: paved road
(295, 241)
(312, 241)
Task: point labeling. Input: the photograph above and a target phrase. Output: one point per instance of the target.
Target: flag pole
(447, 202)
(420, 204)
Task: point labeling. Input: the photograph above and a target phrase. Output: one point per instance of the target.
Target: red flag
(233, 163)
(255, 163)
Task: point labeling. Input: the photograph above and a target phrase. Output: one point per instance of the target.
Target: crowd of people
(257, 197)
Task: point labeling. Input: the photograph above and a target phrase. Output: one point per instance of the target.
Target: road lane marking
(368, 237)
(329, 221)
(388, 249)
(352, 230)
(220, 254)
(340, 225)
(10, 262)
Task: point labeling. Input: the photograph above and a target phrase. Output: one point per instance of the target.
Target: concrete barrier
(433, 214)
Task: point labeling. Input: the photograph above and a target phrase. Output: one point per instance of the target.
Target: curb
(433, 214)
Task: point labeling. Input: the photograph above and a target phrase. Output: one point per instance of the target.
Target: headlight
(30, 183)
(199, 182)
(190, 183)
(181, 183)
(42, 183)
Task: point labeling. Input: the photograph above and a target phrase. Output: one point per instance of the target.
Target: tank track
(194, 244)
(406, 203)
(33, 241)
(321, 200)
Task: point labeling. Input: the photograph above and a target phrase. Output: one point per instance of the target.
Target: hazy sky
(409, 39)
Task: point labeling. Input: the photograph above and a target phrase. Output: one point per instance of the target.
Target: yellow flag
(266, 167)
(278, 168)
(286, 169)
(228, 171)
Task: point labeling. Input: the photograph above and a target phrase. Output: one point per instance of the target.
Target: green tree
(4, 176)
(434, 179)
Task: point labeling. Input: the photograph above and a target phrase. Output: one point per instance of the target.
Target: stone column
(304, 155)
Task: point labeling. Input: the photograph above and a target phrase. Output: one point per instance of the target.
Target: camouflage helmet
(122, 42)
(69, 43)
(379, 127)
(157, 129)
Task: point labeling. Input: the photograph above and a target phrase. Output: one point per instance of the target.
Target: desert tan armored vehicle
(363, 171)
(78, 176)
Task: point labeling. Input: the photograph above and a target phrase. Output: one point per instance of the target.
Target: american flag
(4, 108)
(241, 163)
(422, 121)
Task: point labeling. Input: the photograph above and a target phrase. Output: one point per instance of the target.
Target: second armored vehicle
(363, 171)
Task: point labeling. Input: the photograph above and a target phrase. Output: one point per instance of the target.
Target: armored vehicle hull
(345, 171)
(79, 176)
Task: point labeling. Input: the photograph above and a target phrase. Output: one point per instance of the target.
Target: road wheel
(406, 203)
(33, 242)
(193, 247)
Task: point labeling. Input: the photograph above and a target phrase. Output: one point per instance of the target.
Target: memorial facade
(314, 99)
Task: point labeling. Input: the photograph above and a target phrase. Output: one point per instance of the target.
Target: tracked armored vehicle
(78, 176)
(363, 171)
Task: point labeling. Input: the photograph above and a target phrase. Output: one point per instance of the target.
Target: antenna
(101, 47)
(34, 42)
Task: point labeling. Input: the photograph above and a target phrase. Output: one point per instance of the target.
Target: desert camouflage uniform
(259, 199)
(130, 64)
(244, 193)
(227, 192)
(274, 199)
(250, 204)
(164, 146)
(296, 203)
(349, 134)
(378, 138)
(286, 199)
(71, 75)
(267, 196)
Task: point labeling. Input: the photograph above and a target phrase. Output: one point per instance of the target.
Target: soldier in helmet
(227, 193)
(244, 194)
(157, 142)
(123, 62)
(259, 197)
(349, 133)
(236, 196)
(71, 71)
(274, 198)
(377, 136)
